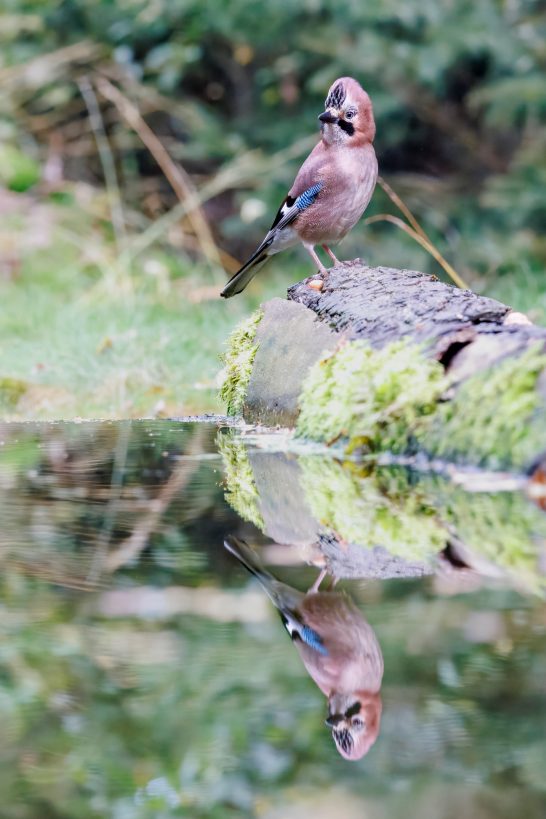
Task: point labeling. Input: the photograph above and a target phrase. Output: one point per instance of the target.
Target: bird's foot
(314, 283)
(316, 585)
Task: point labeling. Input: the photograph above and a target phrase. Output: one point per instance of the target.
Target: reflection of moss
(413, 516)
(372, 397)
(371, 510)
(410, 514)
(238, 361)
(505, 528)
(240, 492)
(495, 417)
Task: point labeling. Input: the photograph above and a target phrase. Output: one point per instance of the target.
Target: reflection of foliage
(497, 416)
(240, 492)
(88, 492)
(238, 360)
(170, 716)
(370, 509)
(189, 717)
(372, 397)
(120, 722)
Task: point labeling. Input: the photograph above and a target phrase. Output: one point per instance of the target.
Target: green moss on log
(240, 489)
(373, 398)
(497, 417)
(238, 360)
(391, 400)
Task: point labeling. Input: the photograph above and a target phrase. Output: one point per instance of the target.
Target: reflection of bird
(338, 648)
(333, 186)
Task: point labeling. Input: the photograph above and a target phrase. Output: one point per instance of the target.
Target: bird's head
(348, 115)
(354, 719)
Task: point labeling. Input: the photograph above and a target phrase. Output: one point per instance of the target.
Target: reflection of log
(460, 375)
(386, 522)
(282, 495)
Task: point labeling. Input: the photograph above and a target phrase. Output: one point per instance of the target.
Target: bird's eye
(349, 114)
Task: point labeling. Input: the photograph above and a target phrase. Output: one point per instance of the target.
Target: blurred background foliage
(162, 683)
(100, 242)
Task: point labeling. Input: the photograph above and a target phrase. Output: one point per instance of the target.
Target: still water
(145, 673)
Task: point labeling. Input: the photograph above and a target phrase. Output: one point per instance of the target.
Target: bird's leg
(311, 251)
(316, 585)
(330, 254)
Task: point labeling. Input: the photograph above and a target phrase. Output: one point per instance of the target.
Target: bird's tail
(282, 596)
(248, 557)
(239, 281)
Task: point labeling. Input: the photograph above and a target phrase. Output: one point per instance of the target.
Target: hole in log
(452, 556)
(454, 344)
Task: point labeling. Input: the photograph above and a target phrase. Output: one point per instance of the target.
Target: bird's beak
(327, 116)
(333, 719)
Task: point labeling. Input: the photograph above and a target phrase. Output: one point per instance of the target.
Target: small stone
(316, 284)
(513, 317)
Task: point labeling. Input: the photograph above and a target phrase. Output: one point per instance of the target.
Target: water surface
(144, 673)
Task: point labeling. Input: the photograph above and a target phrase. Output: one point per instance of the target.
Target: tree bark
(383, 304)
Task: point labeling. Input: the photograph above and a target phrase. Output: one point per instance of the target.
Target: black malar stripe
(348, 127)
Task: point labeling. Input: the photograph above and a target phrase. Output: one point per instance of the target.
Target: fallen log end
(396, 360)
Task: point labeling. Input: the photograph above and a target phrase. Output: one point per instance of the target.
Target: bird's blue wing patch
(308, 197)
(298, 630)
(291, 207)
(313, 640)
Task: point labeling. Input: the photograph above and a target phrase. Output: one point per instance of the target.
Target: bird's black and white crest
(336, 97)
(343, 740)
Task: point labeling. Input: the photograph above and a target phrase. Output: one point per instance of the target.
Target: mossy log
(384, 359)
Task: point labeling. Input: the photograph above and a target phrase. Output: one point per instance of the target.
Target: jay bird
(332, 189)
(338, 648)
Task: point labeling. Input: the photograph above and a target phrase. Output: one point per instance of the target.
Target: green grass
(82, 337)
(124, 357)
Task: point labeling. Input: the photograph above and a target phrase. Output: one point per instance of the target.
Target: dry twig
(107, 162)
(177, 176)
(424, 241)
(240, 171)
